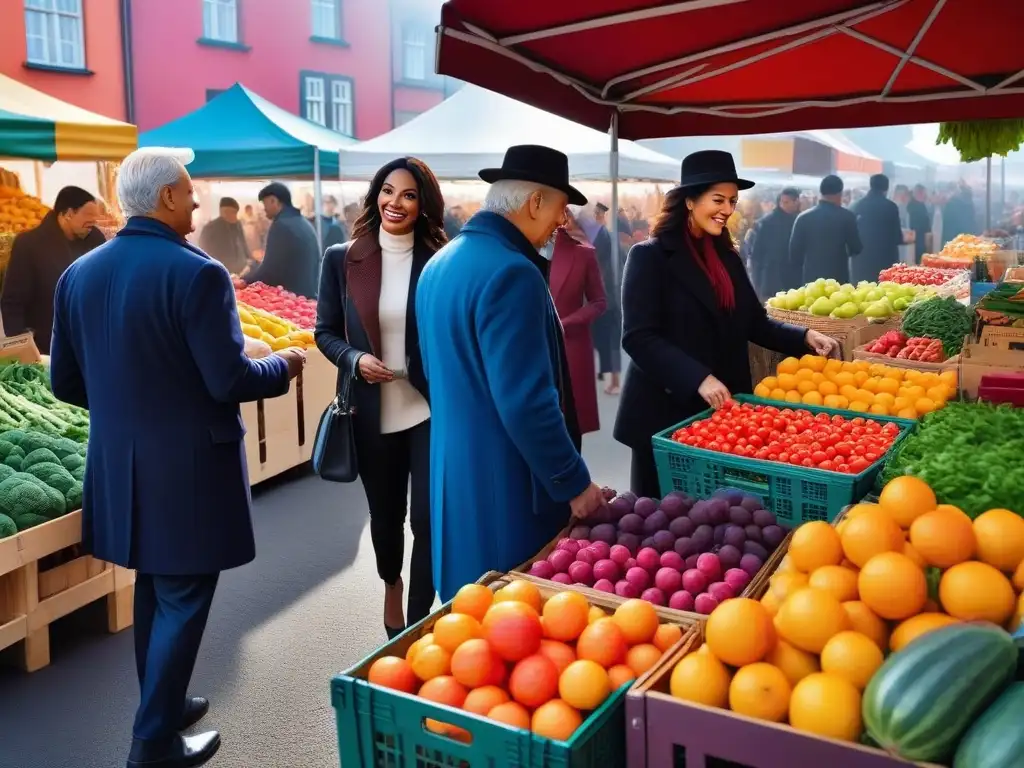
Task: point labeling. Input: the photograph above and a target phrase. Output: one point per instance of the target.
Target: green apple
(822, 307)
(878, 310)
(846, 311)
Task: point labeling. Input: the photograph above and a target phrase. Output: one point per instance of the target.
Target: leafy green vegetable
(970, 454)
(26, 402)
(945, 319)
(7, 527)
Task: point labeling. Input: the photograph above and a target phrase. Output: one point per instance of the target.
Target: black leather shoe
(182, 752)
(196, 708)
(393, 632)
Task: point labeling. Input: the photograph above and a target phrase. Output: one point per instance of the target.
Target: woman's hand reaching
(714, 392)
(373, 370)
(821, 344)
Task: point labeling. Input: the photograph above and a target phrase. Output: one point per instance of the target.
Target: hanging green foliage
(978, 139)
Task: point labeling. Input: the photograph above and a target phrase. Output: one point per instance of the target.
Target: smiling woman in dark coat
(689, 312)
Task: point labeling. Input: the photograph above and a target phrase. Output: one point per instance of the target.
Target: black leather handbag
(334, 448)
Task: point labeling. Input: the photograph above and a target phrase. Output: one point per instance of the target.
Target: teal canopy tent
(240, 135)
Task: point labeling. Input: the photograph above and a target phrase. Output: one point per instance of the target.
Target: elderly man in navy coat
(146, 336)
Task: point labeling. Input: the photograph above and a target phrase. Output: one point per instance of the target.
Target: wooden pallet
(34, 594)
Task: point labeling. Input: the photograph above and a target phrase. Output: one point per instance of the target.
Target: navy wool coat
(676, 336)
(146, 336)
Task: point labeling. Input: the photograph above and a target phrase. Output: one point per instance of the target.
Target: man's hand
(587, 502)
(296, 359)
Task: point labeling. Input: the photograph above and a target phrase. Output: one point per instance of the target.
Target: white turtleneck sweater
(401, 405)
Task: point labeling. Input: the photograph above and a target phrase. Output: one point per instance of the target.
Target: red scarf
(711, 264)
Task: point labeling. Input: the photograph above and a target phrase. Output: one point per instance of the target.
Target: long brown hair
(674, 217)
(429, 224)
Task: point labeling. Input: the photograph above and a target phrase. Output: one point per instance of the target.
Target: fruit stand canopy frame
(36, 126)
(719, 67)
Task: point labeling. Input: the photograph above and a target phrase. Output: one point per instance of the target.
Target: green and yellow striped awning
(36, 126)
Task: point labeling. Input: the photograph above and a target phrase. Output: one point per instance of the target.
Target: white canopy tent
(472, 129)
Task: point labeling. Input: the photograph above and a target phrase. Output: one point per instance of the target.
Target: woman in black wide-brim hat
(689, 312)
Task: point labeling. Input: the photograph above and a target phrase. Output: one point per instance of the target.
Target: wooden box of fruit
(508, 674)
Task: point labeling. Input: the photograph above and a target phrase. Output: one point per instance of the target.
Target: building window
(55, 33)
(414, 53)
(220, 20)
(328, 100)
(327, 19)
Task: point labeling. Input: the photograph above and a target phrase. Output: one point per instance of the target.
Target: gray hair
(508, 195)
(144, 173)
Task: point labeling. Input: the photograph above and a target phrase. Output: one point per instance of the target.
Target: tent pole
(613, 172)
(988, 193)
(1002, 187)
(318, 203)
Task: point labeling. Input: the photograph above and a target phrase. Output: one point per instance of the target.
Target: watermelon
(996, 738)
(925, 696)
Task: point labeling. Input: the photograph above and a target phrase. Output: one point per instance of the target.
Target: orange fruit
(911, 629)
(1018, 577)
(642, 657)
(864, 620)
(892, 586)
(943, 537)
(785, 583)
(416, 647)
(868, 534)
(480, 701)
(1000, 537)
(809, 619)
(555, 720)
(454, 629)
(777, 394)
(794, 663)
(702, 679)
(444, 690)
(806, 386)
(584, 685)
(513, 629)
(906, 498)
(827, 705)
(913, 554)
(788, 365)
(534, 680)
(602, 642)
(770, 381)
(520, 591)
(393, 672)
(471, 663)
(838, 581)
(595, 614)
(473, 600)
(499, 670)
(511, 713)
(638, 621)
(739, 631)
(667, 636)
(762, 391)
(559, 653)
(974, 591)
(565, 615)
(432, 661)
(770, 603)
(853, 656)
(760, 690)
(619, 675)
(813, 545)
(812, 398)
(793, 397)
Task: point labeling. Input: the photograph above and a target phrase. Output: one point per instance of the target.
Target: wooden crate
(34, 595)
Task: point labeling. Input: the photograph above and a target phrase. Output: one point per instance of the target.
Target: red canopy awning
(712, 67)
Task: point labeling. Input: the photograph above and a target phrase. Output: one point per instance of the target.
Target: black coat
(291, 259)
(769, 256)
(823, 240)
(348, 325)
(878, 223)
(676, 336)
(920, 219)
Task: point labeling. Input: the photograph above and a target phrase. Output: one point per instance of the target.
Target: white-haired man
(504, 471)
(146, 336)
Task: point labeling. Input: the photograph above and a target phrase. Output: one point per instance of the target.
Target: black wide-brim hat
(710, 166)
(541, 165)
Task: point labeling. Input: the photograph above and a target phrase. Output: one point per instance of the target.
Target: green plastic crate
(794, 494)
(382, 728)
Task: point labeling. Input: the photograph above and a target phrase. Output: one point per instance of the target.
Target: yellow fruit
(804, 386)
(815, 544)
(770, 381)
(789, 365)
(702, 679)
(760, 690)
(943, 537)
(1018, 577)
(812, 398)
(739, 631)
(1000, 538)
(906, 498)
(770, 603)
(777, 394)
(828, 388)
(864, 620)
(826, 705)
(915, 626)
(838, 581)
(762, 391)
(810, 618)
(787, 382)
(793, 397)
(794, 663)
(892, 585)
(853, 656)
(785, 583)
(907, 413)
(870, 533)
(860, 406)
(974, 591)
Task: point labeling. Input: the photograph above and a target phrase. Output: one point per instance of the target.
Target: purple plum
(604, 532)
(753, 548)
(703, 538)
(629, 540)
(691, 562)
(674, 507)
(647, 543)
(645, 507)
(664, 541)
(772, 536)
(682, 526)
(733, 496)
(753, 532)
(718, 511)
(618, 508)
(599, 516)
(729, 556)
(764, 518)
(580, 532)
(737, 515)
(628, 496)
(751, 564)
(631, 523)
(700, 514)
(685, 547)
(657, 521)
(719, 535)
(734, 536)
(751, 503)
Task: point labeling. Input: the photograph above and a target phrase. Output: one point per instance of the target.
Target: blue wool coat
(146, 336)
(502, 464)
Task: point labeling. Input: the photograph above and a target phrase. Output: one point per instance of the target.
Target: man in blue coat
(146, 336)
(504, 472)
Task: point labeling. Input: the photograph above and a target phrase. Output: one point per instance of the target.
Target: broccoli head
(5, 472)
(72, 462)
(39, 456)
(35, 440)
(7, 527)
(24, 494)
(27, 520)
(79, 474)
(73, 497)
(14, 459)
(53, 474)
(6, 448)
(63, 447)
(14, 436)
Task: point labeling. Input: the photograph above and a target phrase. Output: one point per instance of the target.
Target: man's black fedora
(541, 165)
(710, 166)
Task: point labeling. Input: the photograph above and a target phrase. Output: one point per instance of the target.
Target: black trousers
(606, 331)
(386, 466)
(643, 474)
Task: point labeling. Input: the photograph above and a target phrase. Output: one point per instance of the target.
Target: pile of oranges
(847, 595)
(516, 658)
(859, 386)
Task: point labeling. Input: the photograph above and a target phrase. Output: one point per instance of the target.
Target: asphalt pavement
(309, 606)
